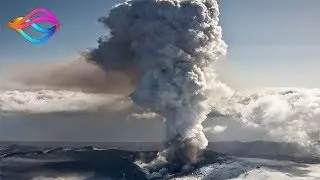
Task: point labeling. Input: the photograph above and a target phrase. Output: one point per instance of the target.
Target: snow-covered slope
(256, 169)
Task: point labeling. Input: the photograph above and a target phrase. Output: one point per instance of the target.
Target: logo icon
(31, 19)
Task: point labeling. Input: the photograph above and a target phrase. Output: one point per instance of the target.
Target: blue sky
(271, 42)
(79, 28)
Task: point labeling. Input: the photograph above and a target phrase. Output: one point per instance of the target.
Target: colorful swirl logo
(20, 23)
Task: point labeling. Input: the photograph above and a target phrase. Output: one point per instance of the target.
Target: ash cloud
(172, 45)
(76, 74)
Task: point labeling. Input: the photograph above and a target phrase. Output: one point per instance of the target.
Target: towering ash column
(172, 45)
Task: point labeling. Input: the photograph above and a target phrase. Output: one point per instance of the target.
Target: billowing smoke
(285, 114)
(172, 44)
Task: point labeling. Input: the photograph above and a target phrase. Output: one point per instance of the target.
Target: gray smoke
(68, 74)
(172, 45)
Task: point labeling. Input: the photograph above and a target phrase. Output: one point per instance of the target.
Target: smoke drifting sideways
(72, 73)
(172, 45)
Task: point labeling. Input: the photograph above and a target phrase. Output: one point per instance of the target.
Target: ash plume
(67, 74)
(173, 45)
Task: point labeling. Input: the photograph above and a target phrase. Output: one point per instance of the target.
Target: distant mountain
(264, 149)
(102, 163)
(20, 162)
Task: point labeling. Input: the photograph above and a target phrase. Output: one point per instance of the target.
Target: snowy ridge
(256, 169)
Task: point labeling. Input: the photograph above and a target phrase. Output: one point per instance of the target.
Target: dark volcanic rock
(103, 163)
(99, 163)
